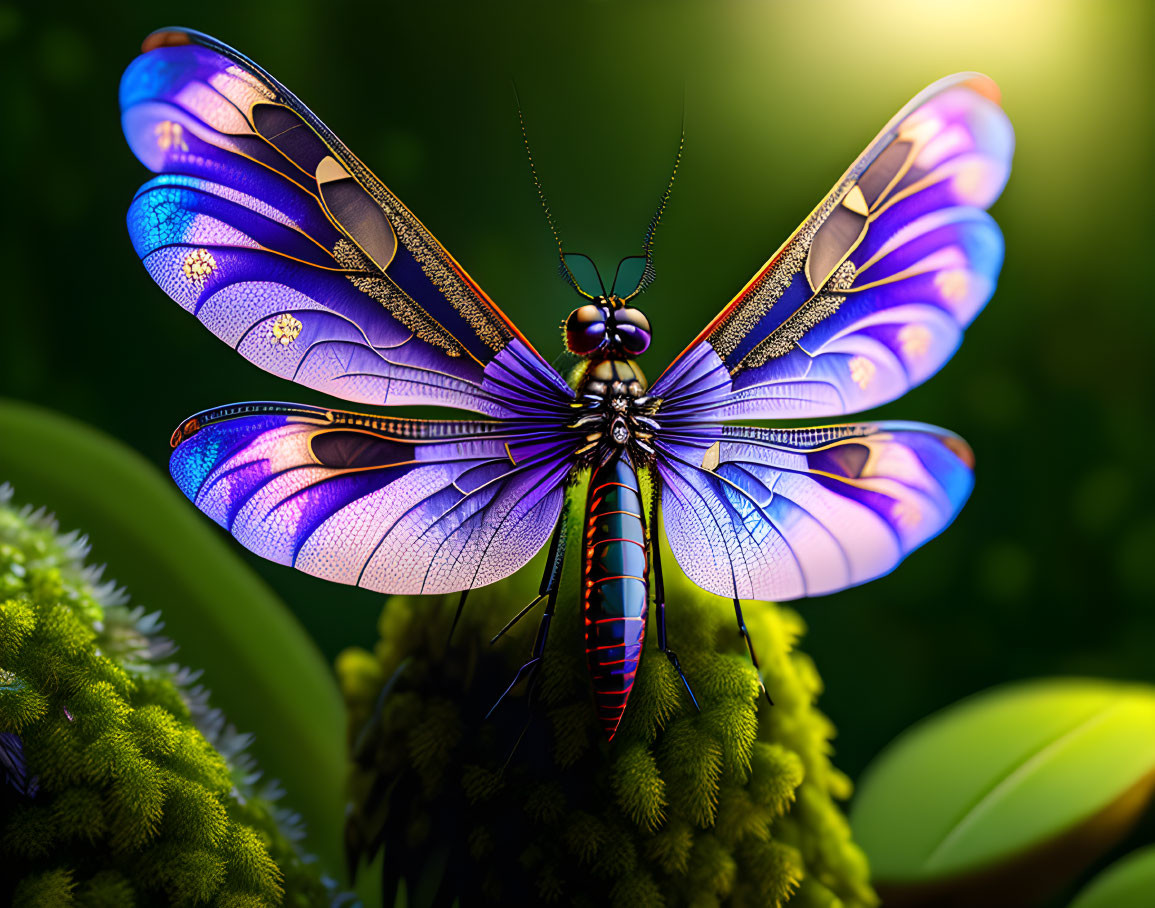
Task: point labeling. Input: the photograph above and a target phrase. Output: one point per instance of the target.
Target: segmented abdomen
(614, 586)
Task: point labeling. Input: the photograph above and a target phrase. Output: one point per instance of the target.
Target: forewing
(393, 505)
(870, 295)
(776, 514)
(268, 229)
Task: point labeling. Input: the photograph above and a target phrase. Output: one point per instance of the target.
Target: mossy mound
(735, 805)
(119, 786)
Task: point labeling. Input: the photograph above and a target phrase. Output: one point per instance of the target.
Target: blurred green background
(1048, 570)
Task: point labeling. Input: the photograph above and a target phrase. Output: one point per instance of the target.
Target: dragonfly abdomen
(614, 586)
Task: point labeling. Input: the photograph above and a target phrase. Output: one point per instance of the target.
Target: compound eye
(633, 331)
(585, 329)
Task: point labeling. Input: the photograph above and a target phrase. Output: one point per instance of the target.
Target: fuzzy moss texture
(732, 806)
(119, 786)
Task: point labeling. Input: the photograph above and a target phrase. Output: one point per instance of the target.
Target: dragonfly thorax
(614, 410)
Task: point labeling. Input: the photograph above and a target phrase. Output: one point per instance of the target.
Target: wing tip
(986, 86)
(956, 444)
(960, 449)
(167, 37)
(291, 412)
(187, 429)
(979, 83)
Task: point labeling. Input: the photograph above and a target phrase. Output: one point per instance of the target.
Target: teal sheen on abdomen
(614, 585)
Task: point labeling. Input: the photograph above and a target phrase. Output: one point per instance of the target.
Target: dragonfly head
(607, 328)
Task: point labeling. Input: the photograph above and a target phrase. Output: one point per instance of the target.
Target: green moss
(123, 787)
(732, 806)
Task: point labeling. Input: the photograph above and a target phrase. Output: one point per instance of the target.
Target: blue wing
(871, 294)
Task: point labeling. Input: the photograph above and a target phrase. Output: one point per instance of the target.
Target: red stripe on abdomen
(614, 587)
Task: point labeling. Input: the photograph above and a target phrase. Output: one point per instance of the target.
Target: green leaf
(1020, 785)
(263, 670)
(1128, 883)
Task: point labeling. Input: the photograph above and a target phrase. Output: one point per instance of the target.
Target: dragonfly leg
(660, 601)
(530, 668)
(750, 646)
(670, 654)
(550, 583)
(456, 617)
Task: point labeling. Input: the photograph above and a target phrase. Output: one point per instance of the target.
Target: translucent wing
(631, 273)
(777, 514)
(268, 229)
(581, 272)
(870, 295)
(394, 505)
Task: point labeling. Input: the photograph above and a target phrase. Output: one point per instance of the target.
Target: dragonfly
(262, 224)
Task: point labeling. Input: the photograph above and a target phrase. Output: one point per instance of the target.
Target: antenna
(563, 268)
(648, 274)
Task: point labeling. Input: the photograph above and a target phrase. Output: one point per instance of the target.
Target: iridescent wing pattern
(263, 225)
(870, 295)
(269, 230)
(393, 505)
(776, 514)
(868, 298)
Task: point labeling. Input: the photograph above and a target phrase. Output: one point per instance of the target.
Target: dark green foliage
(733, 806)
(143, 796)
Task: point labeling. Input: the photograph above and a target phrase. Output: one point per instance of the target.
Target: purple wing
(393, 505)
(871, 294)
(271, 232)
(777, 514)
